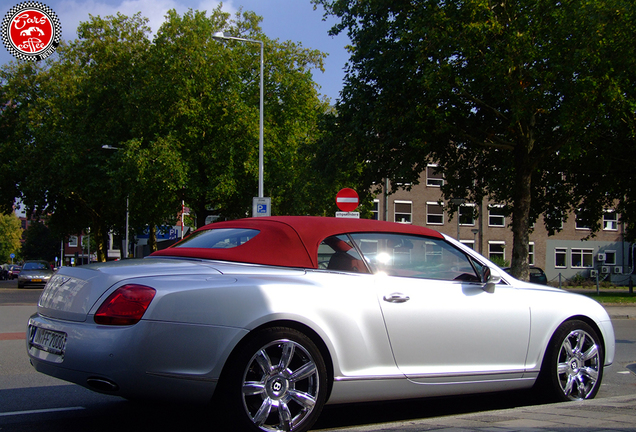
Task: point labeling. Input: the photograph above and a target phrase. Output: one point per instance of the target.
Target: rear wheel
(573, 366)
(276, 382)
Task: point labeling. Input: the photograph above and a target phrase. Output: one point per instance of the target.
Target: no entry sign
(347, 200)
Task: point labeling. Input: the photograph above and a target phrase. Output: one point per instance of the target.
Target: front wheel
(276, 382)
(573, 366)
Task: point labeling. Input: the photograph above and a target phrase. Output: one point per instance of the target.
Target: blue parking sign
(261, 206)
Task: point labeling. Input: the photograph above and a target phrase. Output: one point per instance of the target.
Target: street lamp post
(109, 147)
(221, 35)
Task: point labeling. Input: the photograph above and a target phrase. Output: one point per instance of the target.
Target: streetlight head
(219, 35)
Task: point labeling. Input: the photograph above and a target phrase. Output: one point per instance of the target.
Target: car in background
(537, 275)
(14, 271)
(34, 273)
(268, 319)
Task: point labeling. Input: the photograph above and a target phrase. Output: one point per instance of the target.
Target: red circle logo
(31, 31)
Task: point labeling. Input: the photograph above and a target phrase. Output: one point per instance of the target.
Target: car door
(441, 323)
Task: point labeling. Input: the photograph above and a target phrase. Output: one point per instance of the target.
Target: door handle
(396, 298)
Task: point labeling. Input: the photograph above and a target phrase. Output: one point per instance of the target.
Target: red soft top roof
(289, 241)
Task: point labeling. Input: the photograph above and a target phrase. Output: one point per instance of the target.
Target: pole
(261, 163)
(126, 241)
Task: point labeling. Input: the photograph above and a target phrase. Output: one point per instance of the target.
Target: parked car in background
(537, 275)
(34, 273)
(14, 271)
(271, 318)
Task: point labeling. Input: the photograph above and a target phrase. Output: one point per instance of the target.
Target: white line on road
(41, 411)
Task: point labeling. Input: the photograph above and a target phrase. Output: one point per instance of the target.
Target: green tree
(39, 243)
(203, 93)
(181, 113)
(10, 236)
(506, 96)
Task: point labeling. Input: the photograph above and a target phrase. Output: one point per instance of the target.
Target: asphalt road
(30, 401)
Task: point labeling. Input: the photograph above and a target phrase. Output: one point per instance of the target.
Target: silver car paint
(203, 309)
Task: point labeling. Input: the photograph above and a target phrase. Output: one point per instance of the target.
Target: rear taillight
(125, 306)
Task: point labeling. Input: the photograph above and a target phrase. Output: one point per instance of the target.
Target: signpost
(261, 206)
(347, 200)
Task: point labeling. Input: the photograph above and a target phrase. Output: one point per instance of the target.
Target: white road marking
(40, 411)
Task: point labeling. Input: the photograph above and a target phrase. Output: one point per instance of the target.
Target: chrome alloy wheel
(578, 365)
(280, 386)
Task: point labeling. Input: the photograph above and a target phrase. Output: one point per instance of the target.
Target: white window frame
(375, 211)
(434, 180)
(585, 254)
(579, 225)
(72, 241)
(561, 251)
(468, 243)
(490, 216)
(610, 224)
(435, 215)
(410, 214)
(497, 243)
(531, 253)
(610, 257)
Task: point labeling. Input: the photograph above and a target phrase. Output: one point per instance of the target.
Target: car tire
(572, 368)
(276, 381)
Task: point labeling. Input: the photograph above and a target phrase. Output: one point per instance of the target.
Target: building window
(496, 216)
(560, 257)
(434, 178)
(467, 214)
(610, 257)
(497, 251)
(468, 243)
(403, 212)
(582, 258)
(610, 221)
(581, 223)
(531, 253)
(72, 241)
(434, 213)
(375, 211)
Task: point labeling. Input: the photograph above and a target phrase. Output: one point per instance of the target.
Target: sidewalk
(610, 414)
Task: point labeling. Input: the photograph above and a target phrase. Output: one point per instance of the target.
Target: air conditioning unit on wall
(618, 269)
(593, 273)
(605, 270)
(601, 257)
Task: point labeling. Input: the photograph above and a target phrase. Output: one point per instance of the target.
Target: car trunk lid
(73, 291)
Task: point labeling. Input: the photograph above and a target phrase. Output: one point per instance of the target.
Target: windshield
(35, 266)
(218, 238)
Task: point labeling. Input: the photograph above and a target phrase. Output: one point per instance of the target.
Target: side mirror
(490, 277)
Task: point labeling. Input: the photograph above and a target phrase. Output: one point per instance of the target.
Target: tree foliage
(40, 243)
(117, 118)
(10, 235)
(511, 98)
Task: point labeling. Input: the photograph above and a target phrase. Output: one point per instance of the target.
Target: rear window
(224, 238)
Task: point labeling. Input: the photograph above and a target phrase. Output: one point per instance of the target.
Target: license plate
(49, 340)
(36, 280)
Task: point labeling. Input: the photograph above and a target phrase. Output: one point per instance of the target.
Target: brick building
(564, 255)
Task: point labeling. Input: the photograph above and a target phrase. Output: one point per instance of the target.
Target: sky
(294, 20)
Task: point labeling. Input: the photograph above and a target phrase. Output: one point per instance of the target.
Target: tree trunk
(152, 238)
(522, 200)
(101, 241)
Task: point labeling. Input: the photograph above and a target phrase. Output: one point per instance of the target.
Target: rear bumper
(146, 360)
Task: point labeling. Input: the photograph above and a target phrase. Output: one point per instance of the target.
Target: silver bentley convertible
(275, 317)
